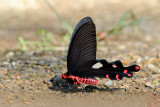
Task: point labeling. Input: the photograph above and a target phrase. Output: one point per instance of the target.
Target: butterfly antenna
(53, 69)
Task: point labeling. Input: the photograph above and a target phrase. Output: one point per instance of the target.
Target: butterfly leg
(81, 86)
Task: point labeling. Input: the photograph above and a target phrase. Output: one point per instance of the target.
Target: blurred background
(24, 18)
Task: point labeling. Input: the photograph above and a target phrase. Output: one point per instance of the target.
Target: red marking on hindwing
(107, 76)
(129, 75)
(117, 77)
(126, 72)
(137, 68)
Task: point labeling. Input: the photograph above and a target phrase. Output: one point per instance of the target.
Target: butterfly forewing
(82, 48)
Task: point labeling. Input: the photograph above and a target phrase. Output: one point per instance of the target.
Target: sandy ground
(102, 99)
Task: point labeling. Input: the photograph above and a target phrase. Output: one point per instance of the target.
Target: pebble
(18, 77)
(46, 82)
(5, 64)
(4, 81)
(148, 84)
(158, 55)
(63, 58)
(137, 77)
(3, 71)
(10, 54)
(139, 60)
(54, 58)
(138, 43)
(158, 85)
(21, 71)
(121, 47)
(13, 64)
(109, 83)
(153, 68)
(31, 53)
(38, 91)
(155, 76)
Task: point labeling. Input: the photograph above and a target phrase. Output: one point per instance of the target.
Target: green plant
(66, 24)
(22, 42)
(44, 43)
(122, 23)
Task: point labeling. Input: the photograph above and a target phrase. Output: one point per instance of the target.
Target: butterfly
(82, 62)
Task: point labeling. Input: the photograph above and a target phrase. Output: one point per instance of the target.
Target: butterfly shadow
(65, 87)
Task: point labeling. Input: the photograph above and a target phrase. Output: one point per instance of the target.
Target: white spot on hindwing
(97, 65)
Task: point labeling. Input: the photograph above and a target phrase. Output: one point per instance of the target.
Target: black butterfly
(81, 58)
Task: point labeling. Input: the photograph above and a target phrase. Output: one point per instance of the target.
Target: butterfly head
(63, 76)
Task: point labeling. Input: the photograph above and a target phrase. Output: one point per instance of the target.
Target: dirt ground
(103, 99)
(130, 46)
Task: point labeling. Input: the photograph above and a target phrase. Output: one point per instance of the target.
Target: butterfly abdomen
(79, 80)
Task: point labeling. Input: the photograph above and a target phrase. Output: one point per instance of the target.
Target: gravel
(39, 71)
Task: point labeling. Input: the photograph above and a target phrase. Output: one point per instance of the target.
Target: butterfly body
(81, 58)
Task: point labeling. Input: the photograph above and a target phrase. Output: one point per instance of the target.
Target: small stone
(37, 91)
(3, 72)
(46, 82)
(154, 76)
(138, 43)
(139, 60)
(9, 54)
(137, 77)
(121, 47)
(22, 71)
(5, 64)
(18, 77)
(63, 58)
(158, 85)
(153, 68)
(126, 89)
(13, 64)
(54, 58)
(158, 55)
(158, 90)
(30, 87)
(135, 57)
(109, 83)
(148, 84)
(125, 86)
(125, 62)
(4, 81)
(151, 60)
(148, 38)
(31, 53)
